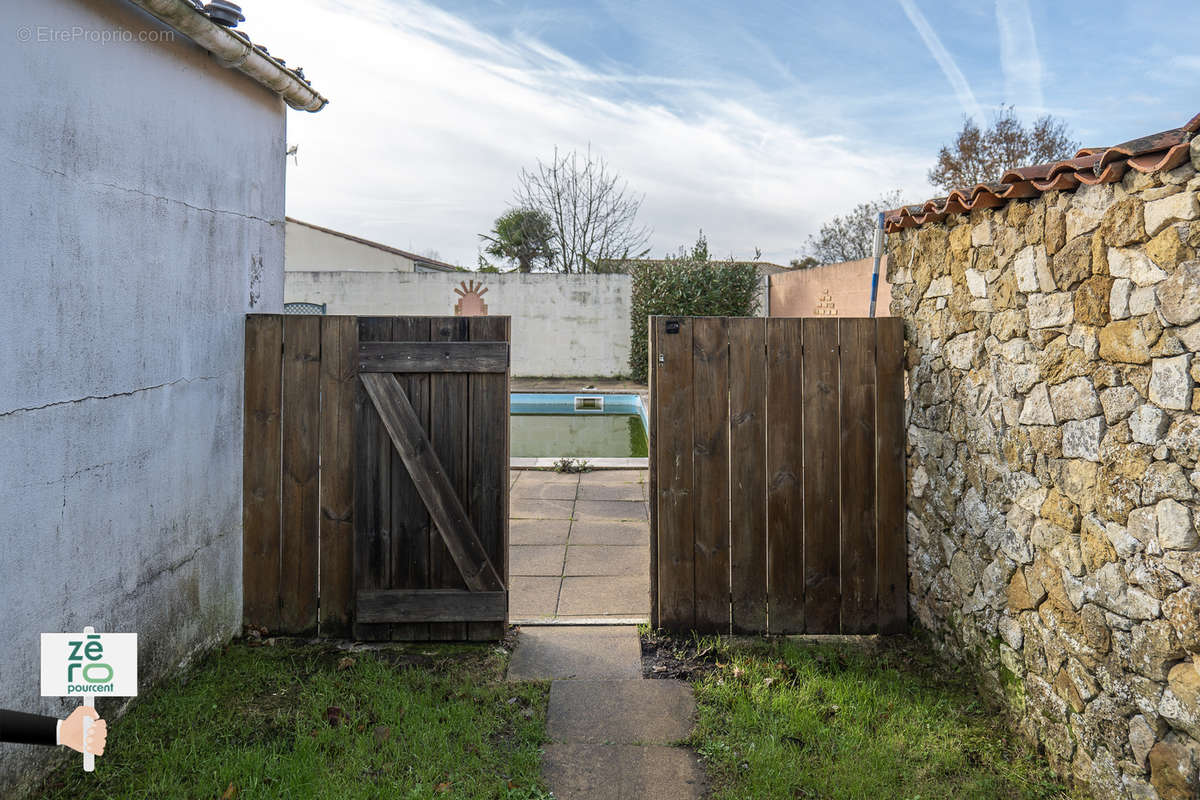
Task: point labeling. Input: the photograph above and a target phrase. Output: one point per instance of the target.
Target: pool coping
(549, 462)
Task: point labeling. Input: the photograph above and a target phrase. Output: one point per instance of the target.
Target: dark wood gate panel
(375, 471)
(777, 472)
(431, 530)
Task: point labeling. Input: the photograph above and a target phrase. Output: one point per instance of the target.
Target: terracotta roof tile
(1090, 166)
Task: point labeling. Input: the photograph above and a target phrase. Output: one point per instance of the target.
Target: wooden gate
(376, 476)
(777, 474)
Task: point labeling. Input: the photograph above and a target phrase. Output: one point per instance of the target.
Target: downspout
(234, 50)
(878, 256)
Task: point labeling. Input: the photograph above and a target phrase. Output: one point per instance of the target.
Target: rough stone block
(1141, 301)
(1081, 438)
(1074, 399)
(1179, 294)
(1172, 771)
(1037, 409)
(1171, 383)
(1169, 247)
(1175, 528)
(1033, 273)
(1118, 302)
(1135, 265)
(1123, 223)
(1051, 310)
(1125, 341)
(1148, 424)
(1118, 403)
(1176, 208)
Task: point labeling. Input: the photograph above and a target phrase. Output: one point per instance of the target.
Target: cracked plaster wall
(142, 217)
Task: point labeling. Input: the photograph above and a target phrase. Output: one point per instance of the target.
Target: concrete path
(612, 733)
(579, 546)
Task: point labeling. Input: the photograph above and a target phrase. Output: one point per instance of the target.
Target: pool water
(557, 435)
(550, 425)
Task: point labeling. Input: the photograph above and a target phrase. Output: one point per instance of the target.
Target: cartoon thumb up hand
(71, 733)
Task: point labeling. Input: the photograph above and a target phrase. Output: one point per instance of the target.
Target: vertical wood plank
(859, 599)
(710, 472)
(410, 520)
(785, 496)
(449, 434)
(652, 462)
(339, 354)
(822, 465)
(372, 489)
(261, 470)
(892, 553)
(301, 498)
(487, 463)
(676, 543)
(747, 473)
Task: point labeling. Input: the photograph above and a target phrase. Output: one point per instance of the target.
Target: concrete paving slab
(565, 653)
(621, 532)
(622, 491)
(607, 560)
(531, 598)
(544, 476)
(528, 508)
(592, 596)
(614, 477)
(541, 531)
(622, 772)
(609, 509)
(536, 559)
(542, 490)
(620, 711)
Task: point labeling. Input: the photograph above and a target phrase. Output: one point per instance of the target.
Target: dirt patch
(684, 658)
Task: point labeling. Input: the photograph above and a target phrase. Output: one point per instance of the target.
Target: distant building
(834, 290)
(311, 248)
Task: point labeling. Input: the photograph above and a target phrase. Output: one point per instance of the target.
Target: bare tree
(850, 236)
(982, 156)
(592, 212)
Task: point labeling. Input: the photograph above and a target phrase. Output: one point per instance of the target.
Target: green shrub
(687, 288)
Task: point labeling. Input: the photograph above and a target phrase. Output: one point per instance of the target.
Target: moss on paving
(783, 719)
(311, 721)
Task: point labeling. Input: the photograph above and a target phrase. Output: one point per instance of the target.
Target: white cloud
(1019, 57)
(431, 119)
(958, 81)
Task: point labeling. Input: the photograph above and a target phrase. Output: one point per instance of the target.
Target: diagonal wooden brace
(430, 480)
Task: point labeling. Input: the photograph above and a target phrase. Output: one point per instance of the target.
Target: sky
(754, 121)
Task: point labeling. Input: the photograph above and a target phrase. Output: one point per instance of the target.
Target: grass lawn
(780, 719)
(309, 721)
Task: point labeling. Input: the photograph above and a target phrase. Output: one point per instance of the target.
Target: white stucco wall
(142, 216)
(308, 248)
(562, 325)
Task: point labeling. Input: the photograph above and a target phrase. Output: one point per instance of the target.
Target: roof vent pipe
(224, 13)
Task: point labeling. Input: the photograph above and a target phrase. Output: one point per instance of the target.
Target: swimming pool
(577, 426)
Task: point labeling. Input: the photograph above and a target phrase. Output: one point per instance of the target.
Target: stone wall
(1053, 440)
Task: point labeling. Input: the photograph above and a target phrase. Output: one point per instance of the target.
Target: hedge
(687, 288)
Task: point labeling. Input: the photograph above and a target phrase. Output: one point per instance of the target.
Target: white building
(143, 215)
(311, 248)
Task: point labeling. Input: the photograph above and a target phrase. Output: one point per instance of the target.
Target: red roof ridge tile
(1090, 166)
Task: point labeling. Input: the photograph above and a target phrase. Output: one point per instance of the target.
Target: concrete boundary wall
(562, 325)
